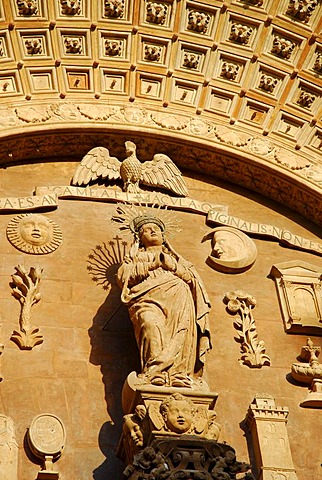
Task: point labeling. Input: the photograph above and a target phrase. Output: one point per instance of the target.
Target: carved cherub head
(178, 413)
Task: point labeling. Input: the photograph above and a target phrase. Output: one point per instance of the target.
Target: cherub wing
(97, 163)
(162, 172)
(156, 416)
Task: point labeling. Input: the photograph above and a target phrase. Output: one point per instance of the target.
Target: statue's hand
(156, 262)
(168, 262)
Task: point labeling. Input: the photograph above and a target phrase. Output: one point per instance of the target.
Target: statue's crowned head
(138, 222)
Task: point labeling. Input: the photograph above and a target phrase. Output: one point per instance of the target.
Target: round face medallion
(46, 435)
(34, 233)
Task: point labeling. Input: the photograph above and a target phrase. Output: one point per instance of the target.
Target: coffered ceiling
(239, 77)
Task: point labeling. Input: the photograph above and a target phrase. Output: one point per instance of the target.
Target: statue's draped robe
(169, 312)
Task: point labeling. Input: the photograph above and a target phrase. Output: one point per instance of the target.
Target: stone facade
(214, 111)
(78, 371)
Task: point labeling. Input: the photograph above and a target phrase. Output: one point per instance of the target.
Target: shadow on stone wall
(114, 349)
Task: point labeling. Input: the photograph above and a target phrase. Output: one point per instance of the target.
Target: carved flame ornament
(253, 351)
(26, 290)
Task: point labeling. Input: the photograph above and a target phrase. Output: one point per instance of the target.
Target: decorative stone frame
(294, 279)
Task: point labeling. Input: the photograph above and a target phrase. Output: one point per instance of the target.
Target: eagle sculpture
(158, 172)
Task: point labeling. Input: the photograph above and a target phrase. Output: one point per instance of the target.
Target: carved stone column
(267, 425)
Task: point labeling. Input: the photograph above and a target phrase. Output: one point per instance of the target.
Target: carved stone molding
(309, 371)
(25, 288)
(235, 157)
(266, 424)
(299, 291)
(253, 351)
(8, 449)
(46, 438)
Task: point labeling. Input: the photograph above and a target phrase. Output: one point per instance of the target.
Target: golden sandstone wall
(78, 371)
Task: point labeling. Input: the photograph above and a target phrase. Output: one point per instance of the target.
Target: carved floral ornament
(253, 350)
(302, 9)
(25, 288)
(27, 7)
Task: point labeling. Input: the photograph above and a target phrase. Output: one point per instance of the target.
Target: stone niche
(299, 290)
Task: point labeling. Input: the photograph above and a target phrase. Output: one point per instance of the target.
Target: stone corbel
(25, 288)
(309, 372)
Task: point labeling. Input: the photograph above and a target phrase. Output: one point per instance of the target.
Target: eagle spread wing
(97, 163)
(162, 172)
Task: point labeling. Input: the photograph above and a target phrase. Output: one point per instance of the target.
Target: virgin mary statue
(168, 307)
